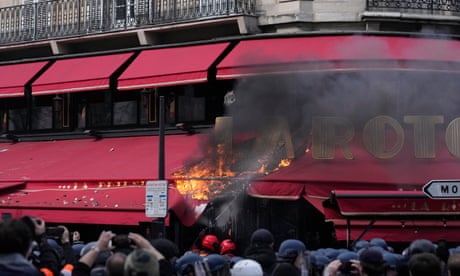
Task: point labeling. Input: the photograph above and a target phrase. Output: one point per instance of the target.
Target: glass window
(42, 113)
(190, 107)
(94, 109)
(125, 108)
(16, 109)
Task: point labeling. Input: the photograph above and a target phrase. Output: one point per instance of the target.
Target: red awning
(365, 187)
(94, 181)
(79, 74)
(170, 66)
(10, 185)
(398, 231)
(338, 52)
(16, 76)
(385, 204)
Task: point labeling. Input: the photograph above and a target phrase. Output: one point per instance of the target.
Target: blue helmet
(360, 245)
(379, 242)
(185, 264)
(421, 246)
(289, 249)
(216, 263)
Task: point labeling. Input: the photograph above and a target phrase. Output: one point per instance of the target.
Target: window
(125, 108)
(16, 109)
(42, 113)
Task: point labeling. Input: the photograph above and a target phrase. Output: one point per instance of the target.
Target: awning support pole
(161, 152)
(348, 233)
(160, 223)
(368, 227)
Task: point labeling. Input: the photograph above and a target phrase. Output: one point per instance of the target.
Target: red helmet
(211, 243)
(227, 246)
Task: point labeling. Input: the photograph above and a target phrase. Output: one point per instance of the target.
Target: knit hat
(262, 237)
(140, 261)
(166, 247)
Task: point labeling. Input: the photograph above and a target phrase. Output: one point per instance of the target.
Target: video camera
(121, 241)
(54, 232)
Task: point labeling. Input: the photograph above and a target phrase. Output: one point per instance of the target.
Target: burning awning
(93, 181)
(79, 74)
(338, 53)
(16, 76)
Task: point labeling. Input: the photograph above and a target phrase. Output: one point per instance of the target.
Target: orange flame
(214, 174)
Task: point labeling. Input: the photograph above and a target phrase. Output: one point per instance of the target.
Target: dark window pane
(17, 119)
(42, 117)
(125, 113)
(191, 109)
(99, 114)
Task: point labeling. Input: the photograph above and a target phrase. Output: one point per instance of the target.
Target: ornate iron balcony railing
(430, 7)
(64, 18)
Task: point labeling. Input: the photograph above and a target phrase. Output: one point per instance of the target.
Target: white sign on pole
(442, 189)
(156, 198)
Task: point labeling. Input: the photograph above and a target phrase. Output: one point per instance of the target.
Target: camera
(122, 241)
(346, 267)
(54, 232)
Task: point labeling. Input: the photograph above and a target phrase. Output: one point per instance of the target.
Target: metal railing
(64, 18)
(430, 7)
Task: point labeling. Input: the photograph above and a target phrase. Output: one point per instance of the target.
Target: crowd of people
(28, 247)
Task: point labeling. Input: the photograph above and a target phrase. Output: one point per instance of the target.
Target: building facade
(95, 86)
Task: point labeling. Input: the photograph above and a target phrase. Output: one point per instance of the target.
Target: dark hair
(15, 237)
(422, 264)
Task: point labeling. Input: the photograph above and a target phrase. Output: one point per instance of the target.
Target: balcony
(429, 7)
(71, 18)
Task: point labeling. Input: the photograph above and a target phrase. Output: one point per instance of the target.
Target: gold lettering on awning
(424, 134)
(374, 137)
(453, 137)
(329, 132)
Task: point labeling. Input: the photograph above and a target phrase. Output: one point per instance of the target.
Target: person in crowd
(247, 267)
(423, 264)
(209, 245)
(185, 265)
(346, 259)
(213, 265)
(115, 264)
(453, 265)
(371, 262)
(15, 247)
(379, 242)
(421, 246)
(103, 244)
(442, 251)
(391, 264)
(261, 250)
(292, 252)
(170, 251)
(141, 261)
(43, 256)
(360, 244)
(65, 246)
(344, 264)
(76, 237)
(228, 248)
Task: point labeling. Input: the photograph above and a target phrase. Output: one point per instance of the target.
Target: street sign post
(442, 189)
(156, 198)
